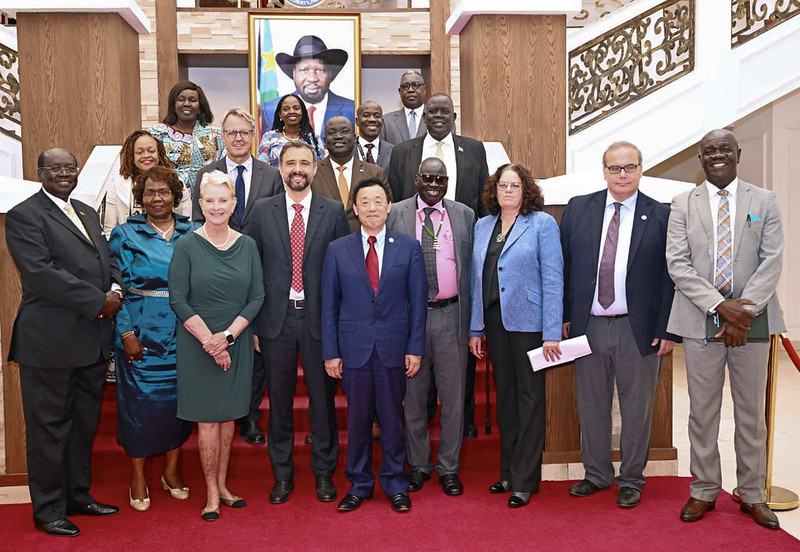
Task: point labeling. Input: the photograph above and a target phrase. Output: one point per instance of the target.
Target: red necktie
(311, 111)
(297, 236)
(372, 264)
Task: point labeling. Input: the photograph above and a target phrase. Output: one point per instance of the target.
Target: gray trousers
(615, 357)
(705, 373)
(447, 358)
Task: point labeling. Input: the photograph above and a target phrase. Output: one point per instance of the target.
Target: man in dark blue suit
(618, 293)
(312, 68)
(374, 308)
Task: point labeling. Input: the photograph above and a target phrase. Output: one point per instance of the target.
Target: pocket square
(753, 218)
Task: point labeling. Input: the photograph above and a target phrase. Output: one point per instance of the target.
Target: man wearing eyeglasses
(407, 123)
(341, 170)
(61, 340)
(253, 180)
(617, 293)
(444, 228)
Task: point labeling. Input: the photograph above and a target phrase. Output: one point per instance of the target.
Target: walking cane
(778, 498)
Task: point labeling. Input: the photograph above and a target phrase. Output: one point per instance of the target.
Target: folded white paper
(571, 349)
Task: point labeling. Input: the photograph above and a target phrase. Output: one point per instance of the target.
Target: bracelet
(128, 334)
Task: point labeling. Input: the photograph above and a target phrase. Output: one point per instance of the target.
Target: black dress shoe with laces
(93, 509)
(628, 497)
(451, 484)
(502, 486)
(583, 488)
(350, 502)
(280, 491)
(401, 503)
(252, 433)
(59, 528)
(326, 492)
(417, 479)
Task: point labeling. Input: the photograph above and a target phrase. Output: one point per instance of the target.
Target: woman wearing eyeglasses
(517, 301)
(291, 120)
(188, 136)
(144, 340)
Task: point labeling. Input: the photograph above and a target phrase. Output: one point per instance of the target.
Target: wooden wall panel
(513, 87)
(439, 78)
(79, 77)
(10, 297)
(167, 50)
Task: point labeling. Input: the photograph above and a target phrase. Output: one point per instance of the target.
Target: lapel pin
(391, 240)
(460, 149)
(644, 217)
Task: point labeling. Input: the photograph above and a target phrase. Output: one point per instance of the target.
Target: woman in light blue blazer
(517, 291)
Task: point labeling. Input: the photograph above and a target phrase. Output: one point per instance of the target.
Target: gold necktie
(75, 220)
(344, 192)
(439, 152)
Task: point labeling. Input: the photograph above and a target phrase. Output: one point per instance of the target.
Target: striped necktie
(723, 276)
(73, 216)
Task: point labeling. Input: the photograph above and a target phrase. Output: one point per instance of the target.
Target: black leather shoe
(350, 502)
(583, 488)
(451, 484)
(416, 480)
(518, 499)
(59, 528)
(502, 486)
(326, 492)
(470, 431)
(761, 514)
(628, 497)
(401, 502)
(280, 491)
(252, 433)
(93, 509)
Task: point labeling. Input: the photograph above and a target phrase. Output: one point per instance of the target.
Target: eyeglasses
(509, 185)
(55, 169)
(616, 169)
(157, 193)
(340, 132)
(233, 133)
(440, 179)
(415, 85)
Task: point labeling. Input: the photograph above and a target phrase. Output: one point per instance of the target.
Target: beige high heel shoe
(139, 504)
(181, 493)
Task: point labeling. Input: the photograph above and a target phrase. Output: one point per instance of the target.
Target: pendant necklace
(214, 244)
(162, 233)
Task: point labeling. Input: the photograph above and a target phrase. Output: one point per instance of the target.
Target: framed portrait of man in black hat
(316, 58)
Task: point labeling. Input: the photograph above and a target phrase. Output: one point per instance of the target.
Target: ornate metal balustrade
(630, 61)
(9, 93)
(750, 18)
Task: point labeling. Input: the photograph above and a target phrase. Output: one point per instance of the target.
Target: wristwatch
(229, 337)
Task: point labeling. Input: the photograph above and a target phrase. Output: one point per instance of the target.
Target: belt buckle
(299, 304)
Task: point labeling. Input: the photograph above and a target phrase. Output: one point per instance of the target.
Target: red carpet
(475, 521)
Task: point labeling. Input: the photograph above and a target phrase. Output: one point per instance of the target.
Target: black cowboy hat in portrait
(310, 46)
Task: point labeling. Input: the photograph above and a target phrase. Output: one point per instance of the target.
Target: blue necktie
(240, 201)
(412, 125)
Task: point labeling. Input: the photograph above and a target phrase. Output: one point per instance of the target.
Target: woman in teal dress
(216, 288)
(145, 334)
(188, 136)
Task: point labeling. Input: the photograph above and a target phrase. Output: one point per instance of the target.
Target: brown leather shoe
(695, 509)
(761, 515)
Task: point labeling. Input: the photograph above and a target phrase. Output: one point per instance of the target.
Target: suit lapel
(358, 174)
(455, 227)
(641, 217)
(520, 227)
(315, 214)
(402, 125)
(59, 215)
(743, 199)
(281, 219)
(596, 209)
(256, 183)
(414, 158)
(408, 216)
(389, 255)
(703, 208)
(328, 178)
(356, 250)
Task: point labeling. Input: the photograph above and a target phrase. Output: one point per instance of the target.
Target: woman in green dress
(216, 289)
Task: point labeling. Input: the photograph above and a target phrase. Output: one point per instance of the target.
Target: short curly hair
(127, 169)
(532, 197)
(159, 173)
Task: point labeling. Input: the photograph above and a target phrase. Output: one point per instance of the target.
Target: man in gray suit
(369, 146)
(254, 180)
(445, 230)
(724, 253)
(405, 124)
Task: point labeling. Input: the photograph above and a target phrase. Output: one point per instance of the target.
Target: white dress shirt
(306, 203)
(626, 214)
(449, 151)
(247, 174)
(379, 243)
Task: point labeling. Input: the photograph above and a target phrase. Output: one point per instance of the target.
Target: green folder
(758, 333)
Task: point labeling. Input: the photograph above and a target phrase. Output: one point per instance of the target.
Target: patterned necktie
(605, 279)
(239, 185)
(429, 253)
(76, 220)
(344, 192)
(372, 264)
(439, 151)
(724, 273)
(412, 125)
(311, 111)
(370, 159)
(297, 237)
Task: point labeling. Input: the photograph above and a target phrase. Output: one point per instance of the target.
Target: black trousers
(521, 414)
(62, 408)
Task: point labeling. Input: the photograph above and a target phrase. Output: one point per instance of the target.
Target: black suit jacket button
(502, 289)
(500, 268)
